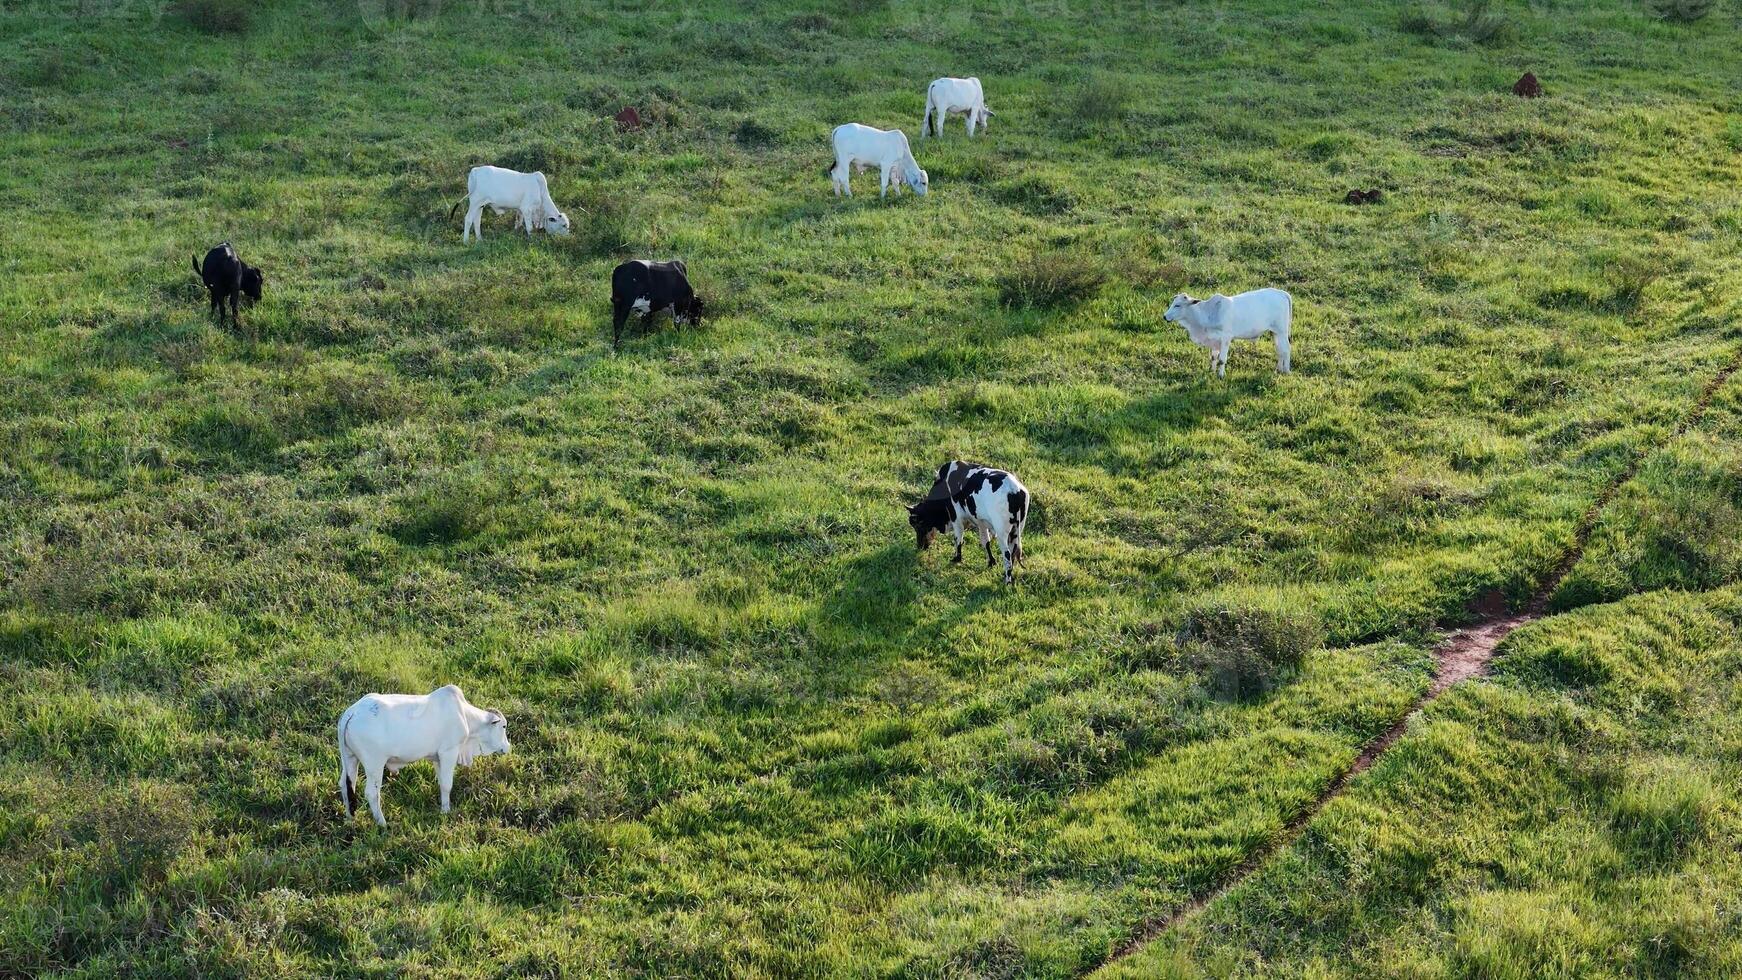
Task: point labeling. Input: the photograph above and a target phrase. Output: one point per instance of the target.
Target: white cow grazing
(1220, 320)
(391, 731)
(954, 97)
(885, 149)
(501, 190)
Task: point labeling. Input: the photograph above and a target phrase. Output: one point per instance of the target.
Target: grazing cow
(387, 732)
(227, 277)
(885, 149)
(502, 190)
(648, 287)
(994, 501)
(1220, 320)
(954, 97)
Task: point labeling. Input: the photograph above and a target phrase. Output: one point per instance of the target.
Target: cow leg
(445, 775)
(619, 316)
(1011, 545)
(474, 223)
(884, 182)
(235, 298)
(1281, 350)
(372, 790)
(986, 542)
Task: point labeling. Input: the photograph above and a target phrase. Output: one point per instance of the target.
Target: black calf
(228, 277)
(648, 287)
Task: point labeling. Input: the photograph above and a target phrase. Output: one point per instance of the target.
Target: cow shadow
(1102, 438)
(878, 610)
(877, 593)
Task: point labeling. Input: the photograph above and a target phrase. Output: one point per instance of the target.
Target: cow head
(557, 224)
(985, 114)
(1178, 308)
(691, 312)
(492, 738)
(252, 281)
(920, 181)
(928, 518)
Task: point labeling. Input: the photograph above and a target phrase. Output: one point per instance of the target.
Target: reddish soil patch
(628, 119)
(1527, 87)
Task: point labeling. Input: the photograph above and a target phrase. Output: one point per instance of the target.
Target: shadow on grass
(1091, 438)
(874, 612)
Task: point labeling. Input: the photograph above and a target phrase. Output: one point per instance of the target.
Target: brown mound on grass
(1359, 196)
(1527, 87)
(628, 119)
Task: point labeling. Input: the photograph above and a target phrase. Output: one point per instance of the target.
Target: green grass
(1571, 818)
(754, 733)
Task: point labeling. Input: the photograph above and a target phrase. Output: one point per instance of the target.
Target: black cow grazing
(994, 501)
(228, 277)
(646, 288)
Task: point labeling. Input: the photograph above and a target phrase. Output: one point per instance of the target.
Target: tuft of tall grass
(1246, 651)
(1476, 21)
(1685, 11)
(215, 16)
(1049, 280)
(1102, 100)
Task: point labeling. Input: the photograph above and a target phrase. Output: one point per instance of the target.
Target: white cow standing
(1220, 320)
(885, 149)
(387, 732)
(947, 97)
(501, 190)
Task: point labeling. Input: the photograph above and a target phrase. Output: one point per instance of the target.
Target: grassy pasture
(754, 734)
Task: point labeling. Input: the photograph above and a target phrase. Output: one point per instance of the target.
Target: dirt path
(1462, 654)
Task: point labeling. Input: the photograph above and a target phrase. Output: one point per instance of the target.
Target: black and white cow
(646, 288)
(994, 501)
(227, 277)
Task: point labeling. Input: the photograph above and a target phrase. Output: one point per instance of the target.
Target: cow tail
(196, 262)
(456, 208)
(347, 766)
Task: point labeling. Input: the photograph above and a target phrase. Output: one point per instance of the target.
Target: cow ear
(493, 717)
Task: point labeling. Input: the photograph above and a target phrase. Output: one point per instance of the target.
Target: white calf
(387, 732)
(501, 190)
(885, 149)
(954, 97)
(1220, 320)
